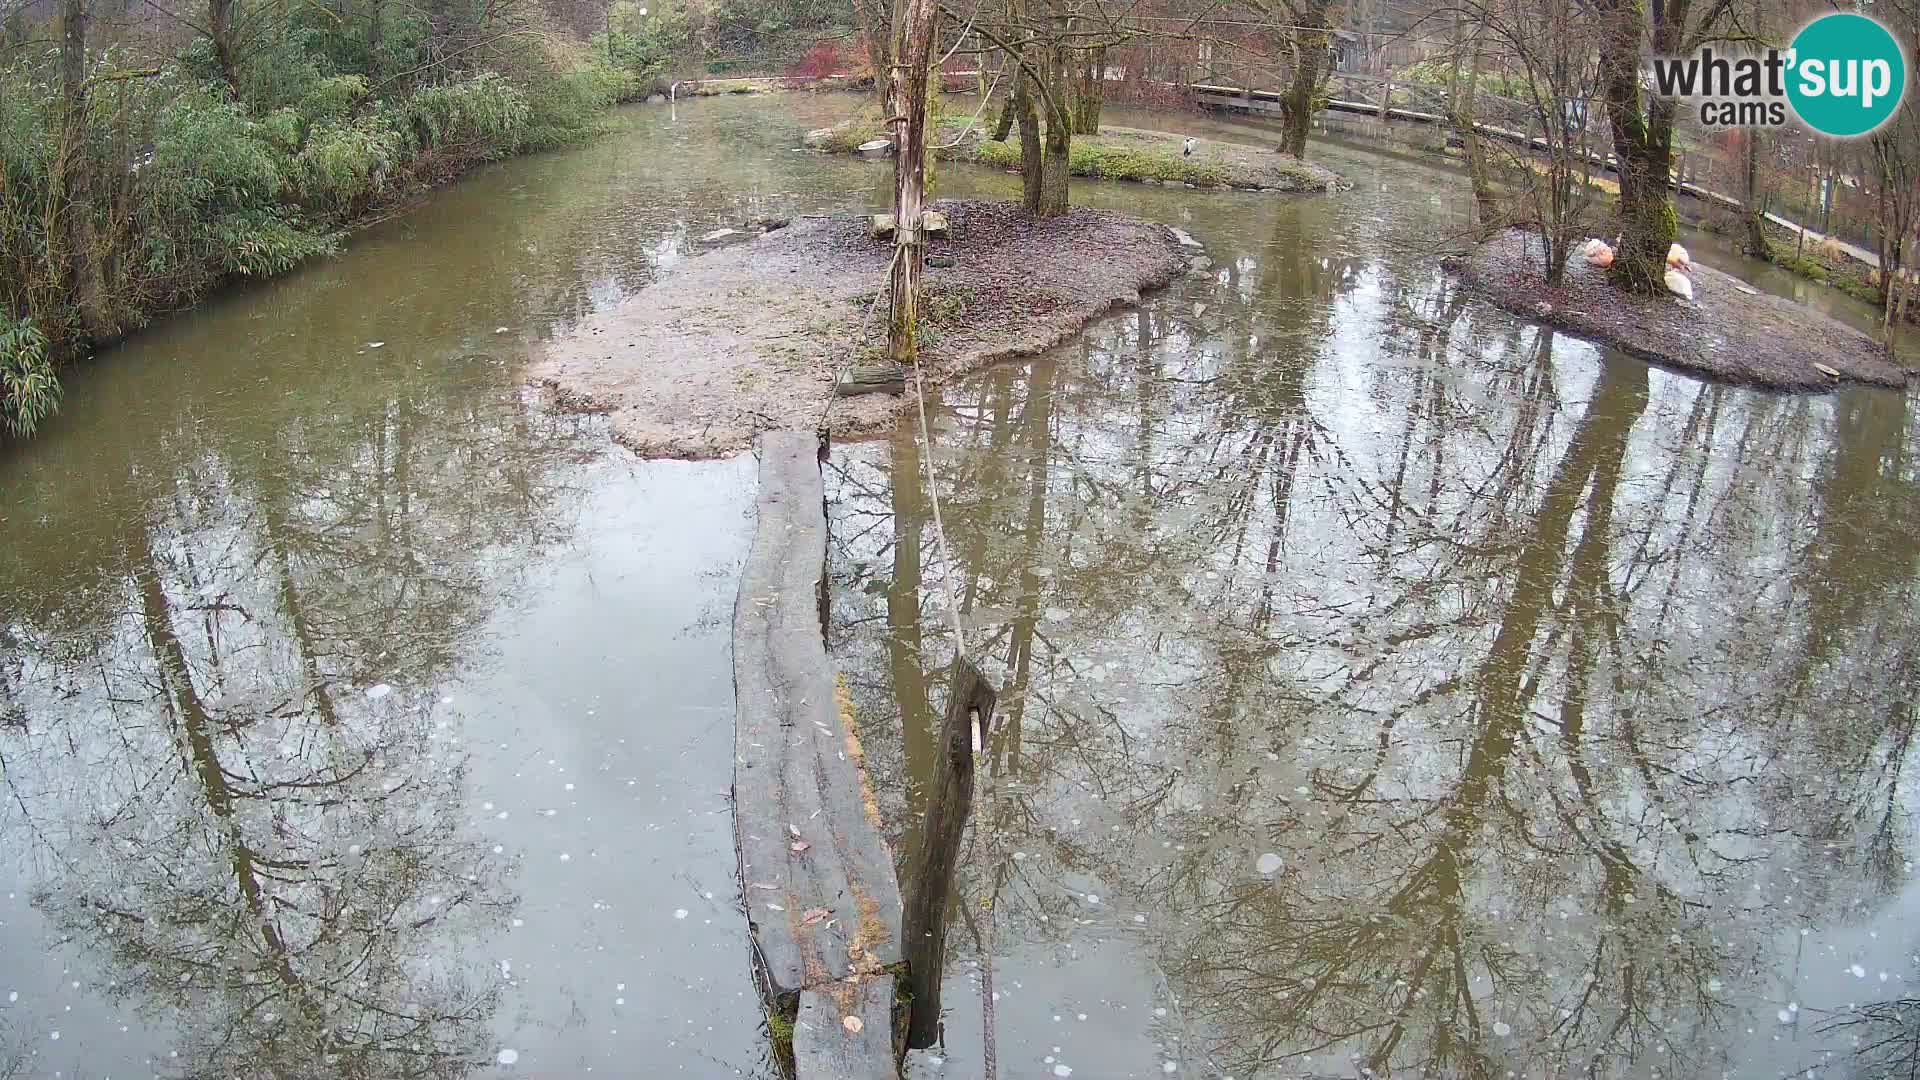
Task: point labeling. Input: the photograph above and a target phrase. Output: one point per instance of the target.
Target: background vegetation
(149, 152)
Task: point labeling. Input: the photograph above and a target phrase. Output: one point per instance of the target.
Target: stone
(880, 226)
(940, 262)
(933, 223)
(817, 138)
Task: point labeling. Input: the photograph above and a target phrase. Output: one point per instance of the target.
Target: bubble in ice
(1093, 898)
(1713, 986)
(1268, 863)
(1169, 1067)
(1054, 614)
(680, 913)
(1858, 971)
(13, 996)
(1502, 1028)
(1063, 1070)
(1786, 1016)
(378, 691)
(508, 1056)
(54, 1035)
(619, 1001)
(1162, 1011)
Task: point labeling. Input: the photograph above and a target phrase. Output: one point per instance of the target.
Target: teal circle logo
(1846, 75)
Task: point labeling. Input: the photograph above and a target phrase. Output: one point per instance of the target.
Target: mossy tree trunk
(1309, 38)
(1027, 114)
(1006, 86)
(1004, 119)
(1054, 187)
(1090, 91)
(1463, 100)
(1642, 136)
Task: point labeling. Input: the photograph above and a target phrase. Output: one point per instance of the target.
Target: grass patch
(1107, 162)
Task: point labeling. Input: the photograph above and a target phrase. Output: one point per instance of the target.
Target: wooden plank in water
(884, 377)
(827, 1047)
(822, 901)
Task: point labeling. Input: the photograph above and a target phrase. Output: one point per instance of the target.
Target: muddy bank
(1724, 332)
(749, 338)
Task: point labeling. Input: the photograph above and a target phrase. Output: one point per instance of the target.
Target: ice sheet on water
(1268, 863)
(508, 1056)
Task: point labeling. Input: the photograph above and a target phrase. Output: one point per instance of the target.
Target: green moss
(1108, 162)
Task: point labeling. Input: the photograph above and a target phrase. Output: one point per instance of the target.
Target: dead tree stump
(970, 702)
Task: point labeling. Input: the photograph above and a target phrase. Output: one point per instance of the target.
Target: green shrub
(345, 165)
(571, 105)
(29, 389)
(485, 116)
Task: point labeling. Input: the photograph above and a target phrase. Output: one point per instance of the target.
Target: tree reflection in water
(1564, 692)
(227, 771)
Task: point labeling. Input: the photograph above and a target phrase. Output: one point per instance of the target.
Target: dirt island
(750, 337)
(1728, 331)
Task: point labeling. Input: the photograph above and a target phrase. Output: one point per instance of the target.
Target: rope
(939, 526)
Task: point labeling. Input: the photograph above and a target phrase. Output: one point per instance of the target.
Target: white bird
(1679, 284)
(1191, 144)
(1678, 258)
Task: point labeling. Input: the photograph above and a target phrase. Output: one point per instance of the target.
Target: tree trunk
(1486, 206)
(1006, 85)
(923, 923)
(1755, 209)
(377, 37)
(909, 80)
(1031, 152)
(1089, 91)
(1643, 146)
(1053, 198)
(1309, 58)
(220, 26)
(84, 262)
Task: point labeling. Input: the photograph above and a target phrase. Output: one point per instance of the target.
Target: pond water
(1385, 666)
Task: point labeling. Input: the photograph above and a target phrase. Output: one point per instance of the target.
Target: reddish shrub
(823, 59)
